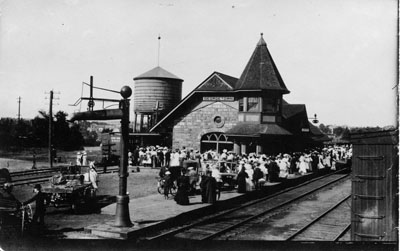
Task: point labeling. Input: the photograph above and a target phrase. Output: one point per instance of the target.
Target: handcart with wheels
(70, 190)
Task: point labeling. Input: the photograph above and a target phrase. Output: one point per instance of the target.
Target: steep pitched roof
(261, 72)
(217, 82)
(289, 110)
(315, 130)
(157, 73)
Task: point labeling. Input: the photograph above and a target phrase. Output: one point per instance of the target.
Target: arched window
(216, 141)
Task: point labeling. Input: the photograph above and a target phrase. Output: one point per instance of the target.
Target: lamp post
(122, 218)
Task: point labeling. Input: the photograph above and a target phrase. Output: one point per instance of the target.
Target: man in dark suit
(40, 210)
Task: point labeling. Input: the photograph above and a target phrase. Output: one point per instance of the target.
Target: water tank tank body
(156, 88)
(147, 92)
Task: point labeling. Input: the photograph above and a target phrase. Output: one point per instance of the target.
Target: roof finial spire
(158, 56)
(261, 42)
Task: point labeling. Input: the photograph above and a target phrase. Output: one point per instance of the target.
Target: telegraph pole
(51, 129)
(19, 108)
(91, 102)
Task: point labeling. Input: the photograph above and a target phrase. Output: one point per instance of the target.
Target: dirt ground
(22, 160)
(62, 222)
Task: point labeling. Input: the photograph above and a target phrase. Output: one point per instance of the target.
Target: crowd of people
(188, 170)
(252, 170)
(158, 156)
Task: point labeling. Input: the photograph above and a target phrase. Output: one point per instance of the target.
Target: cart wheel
(160, 187)
(173, 190)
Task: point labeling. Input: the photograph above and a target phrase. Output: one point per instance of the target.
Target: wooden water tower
(155, 93)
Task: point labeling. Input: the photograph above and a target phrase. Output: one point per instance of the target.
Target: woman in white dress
(249, 181)
(283, 167)
(303, 165)
(175, 158)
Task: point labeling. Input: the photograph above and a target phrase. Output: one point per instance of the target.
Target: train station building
(246, 114)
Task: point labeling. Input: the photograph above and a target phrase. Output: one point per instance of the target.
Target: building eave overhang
(245, 129)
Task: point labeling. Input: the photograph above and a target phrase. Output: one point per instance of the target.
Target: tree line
(343, 132)
(23, 133)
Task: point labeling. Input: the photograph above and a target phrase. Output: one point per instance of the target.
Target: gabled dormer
(260, 88)
(217, 82)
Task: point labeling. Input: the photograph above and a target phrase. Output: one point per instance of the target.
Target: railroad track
(42, 175)
(233, 220)
(330, 225)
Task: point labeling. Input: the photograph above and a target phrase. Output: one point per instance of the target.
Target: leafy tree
(34, 133)
(61, 130)
(346, 133)
(91, 139)
(40, 129)
(75, 139)
(324, 129)
(6, 132)
(338, 131)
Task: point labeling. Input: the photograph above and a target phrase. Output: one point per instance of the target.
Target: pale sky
(339, 57)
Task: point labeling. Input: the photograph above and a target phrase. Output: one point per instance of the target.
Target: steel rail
(31, 178)
(34, 171)
(271, 209)
(34, 180)
(227, 212)
(31, 181)
(322, 215)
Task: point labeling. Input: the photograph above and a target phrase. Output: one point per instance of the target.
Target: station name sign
(229, 99)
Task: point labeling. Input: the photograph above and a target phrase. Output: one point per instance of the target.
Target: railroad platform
(154, 212)
(151, 213)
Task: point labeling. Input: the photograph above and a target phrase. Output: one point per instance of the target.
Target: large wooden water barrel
(156, 89)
